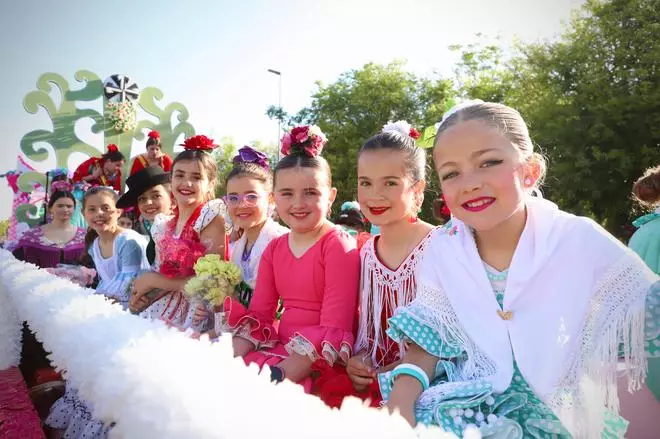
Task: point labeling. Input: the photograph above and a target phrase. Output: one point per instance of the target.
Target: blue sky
(212, 56)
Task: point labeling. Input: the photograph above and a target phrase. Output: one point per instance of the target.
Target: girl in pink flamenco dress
(313, 271)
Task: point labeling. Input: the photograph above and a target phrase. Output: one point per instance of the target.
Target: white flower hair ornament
(403, 127)
(458, 107)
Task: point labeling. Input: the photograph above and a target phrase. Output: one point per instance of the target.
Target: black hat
(351, 218)
(140, 182)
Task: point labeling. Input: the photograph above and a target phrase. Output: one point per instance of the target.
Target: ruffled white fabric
(10, 332)
(117, 272)
(155, 381)
(270, 231)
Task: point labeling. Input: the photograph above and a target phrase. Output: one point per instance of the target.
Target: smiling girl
(522, 309)
(391, 180)
(197, 228)
(313, 270)
(250, 202)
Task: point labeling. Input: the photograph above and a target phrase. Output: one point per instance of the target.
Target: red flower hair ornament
(306, 139)
(403, 127)
(153, 134)
(199, 143)
(112, 148)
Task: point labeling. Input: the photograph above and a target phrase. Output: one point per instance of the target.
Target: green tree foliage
(359, 103)
(591, 99)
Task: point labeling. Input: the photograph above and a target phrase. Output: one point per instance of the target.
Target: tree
(359, 103)
(593, 101)
(223, 159)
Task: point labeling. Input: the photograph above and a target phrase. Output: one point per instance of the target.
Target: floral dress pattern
(515, 413)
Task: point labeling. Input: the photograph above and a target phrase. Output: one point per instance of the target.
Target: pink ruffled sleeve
(333, 338)
(256, 323)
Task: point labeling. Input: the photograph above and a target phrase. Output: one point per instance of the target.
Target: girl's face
(110, 167)
(385, 193)
(125, 223)
(303, 198)
(190, 184)
(154, 201)
(100, 212)
(247, 202)
(153, 152)
(62, 209)
(482, 175)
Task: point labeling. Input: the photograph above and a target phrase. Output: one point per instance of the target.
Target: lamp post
(279, 104)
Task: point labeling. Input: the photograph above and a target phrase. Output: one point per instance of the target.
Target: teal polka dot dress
(516, 413)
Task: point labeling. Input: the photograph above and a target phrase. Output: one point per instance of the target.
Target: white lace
(433, 308)
(382, 288)
(616, 315)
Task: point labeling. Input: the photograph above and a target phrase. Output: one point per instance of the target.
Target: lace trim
(616, 315)
(301, 346)
(433, 308)
(384, 289)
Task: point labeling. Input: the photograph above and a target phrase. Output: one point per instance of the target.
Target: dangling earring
(413, 219)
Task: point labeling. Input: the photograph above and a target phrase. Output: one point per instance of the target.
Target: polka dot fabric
(454, 405)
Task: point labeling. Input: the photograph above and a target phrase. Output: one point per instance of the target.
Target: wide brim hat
(140, 182)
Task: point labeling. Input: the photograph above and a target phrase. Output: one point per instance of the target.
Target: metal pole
(279, 104)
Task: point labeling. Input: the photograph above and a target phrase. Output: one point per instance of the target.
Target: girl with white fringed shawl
(523, 312)
(391, 180)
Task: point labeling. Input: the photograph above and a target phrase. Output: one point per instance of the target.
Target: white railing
(157, 382)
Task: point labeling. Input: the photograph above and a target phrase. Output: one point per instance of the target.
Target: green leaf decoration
(427, 139)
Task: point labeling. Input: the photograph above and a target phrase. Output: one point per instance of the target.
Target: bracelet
(276, 374)
(413, 371)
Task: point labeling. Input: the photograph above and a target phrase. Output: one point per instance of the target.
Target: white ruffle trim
(155, 381)
(10, 332)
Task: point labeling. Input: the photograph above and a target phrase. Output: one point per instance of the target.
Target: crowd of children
(495, 319)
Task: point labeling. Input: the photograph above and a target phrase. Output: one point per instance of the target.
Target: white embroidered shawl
(575, 294)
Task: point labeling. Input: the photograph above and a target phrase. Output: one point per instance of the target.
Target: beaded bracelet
(413, 371)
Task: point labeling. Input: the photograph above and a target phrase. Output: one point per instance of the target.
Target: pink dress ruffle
(319, 307)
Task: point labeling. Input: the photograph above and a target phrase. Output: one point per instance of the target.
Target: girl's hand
(138, 304)
(360, 371)
(242, 347)
(96, 173)
(200, 315)
(143, 284)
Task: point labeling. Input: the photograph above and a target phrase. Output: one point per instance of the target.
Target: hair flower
(112, 148)
(199, 142)
(306, 139)
(153, 134)
(247, 154)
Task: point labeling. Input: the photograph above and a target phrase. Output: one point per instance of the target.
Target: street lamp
(279, 104)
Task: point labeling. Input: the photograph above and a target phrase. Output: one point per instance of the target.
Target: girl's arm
(213, 236)
(407, 389)
(296, 367)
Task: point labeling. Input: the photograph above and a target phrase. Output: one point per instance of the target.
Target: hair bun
(307, 140)
(402, 127)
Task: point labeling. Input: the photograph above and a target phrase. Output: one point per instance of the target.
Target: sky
(213, 56)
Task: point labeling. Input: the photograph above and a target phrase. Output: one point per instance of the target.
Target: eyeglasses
(250, 200)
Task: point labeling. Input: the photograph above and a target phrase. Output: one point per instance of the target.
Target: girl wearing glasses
(250, 207)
